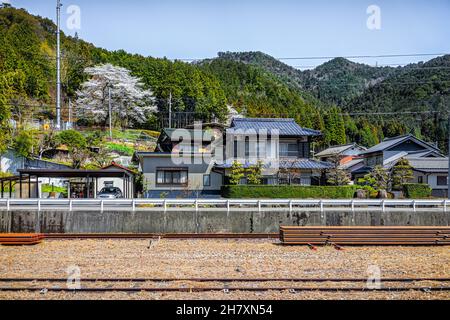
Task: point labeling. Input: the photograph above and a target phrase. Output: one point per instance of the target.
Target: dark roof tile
(284, 127)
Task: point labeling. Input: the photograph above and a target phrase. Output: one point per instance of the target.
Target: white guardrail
(227, 205)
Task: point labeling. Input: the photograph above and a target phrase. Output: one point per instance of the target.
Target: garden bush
(416, 191)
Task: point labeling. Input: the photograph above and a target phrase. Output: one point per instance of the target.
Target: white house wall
(196, 173)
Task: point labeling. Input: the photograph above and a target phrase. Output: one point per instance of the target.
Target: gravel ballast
(219, 259)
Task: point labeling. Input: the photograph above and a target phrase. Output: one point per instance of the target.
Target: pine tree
(237, 173)
(254, 173)
(5, 115)
(402, 173)
(334, 128)
(337, 176)
(379, 178)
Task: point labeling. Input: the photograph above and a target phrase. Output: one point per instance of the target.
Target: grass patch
(120, 148)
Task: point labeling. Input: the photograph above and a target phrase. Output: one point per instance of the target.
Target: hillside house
(348, 156)
(388, 152)
(196, 163)
(283, 147)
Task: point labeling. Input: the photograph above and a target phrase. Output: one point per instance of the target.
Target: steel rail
(212, 289)
(203, 280)
(163, 236)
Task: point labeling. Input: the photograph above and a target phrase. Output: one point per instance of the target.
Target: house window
(441, 180)
(304, 150)
(207, 180)
(247, 147)
(172, 176)
(420, 179)
(289, 150)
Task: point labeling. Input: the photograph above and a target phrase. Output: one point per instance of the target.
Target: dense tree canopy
(254, 84)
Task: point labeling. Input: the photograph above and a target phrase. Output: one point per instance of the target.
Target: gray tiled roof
(351, 163)
(429, 164)
(285, 127)
(388, 143)
(304, 164)
(335, 150)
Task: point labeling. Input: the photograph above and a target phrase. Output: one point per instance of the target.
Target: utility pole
(170, 109)
(110, 113)
(448, 178)
(70, 113)
(58, 65)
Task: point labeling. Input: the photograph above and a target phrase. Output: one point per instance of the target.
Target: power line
(404, 66)
(366, 56)
(345, 57)
(390, 113)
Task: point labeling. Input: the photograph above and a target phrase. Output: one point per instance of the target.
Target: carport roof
(73, 173)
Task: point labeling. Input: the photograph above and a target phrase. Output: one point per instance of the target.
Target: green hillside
(254, 83)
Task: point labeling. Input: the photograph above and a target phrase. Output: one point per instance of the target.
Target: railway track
(103, 285)
(175, 236)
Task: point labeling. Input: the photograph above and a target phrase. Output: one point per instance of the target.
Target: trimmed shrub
(289, 192)
(416, 191)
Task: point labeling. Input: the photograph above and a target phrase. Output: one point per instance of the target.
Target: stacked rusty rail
(365, 235)
(20, 239)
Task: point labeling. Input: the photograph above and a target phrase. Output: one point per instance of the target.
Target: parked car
(110, 193)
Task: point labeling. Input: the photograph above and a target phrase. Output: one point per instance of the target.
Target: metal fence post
(228, 206)
(414, 206)
(383, 206)
(7, 204)
(321, 206)
(445, 205)
(259, 206)
(196, 205)
(165, 205)
(133, 203)
(353, 205)
(290, 206)
(101, 206)
(39, 205)
(70, 205)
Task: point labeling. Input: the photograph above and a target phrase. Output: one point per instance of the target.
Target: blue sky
(281, 28)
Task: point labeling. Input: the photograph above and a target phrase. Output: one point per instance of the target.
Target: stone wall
(210, 221)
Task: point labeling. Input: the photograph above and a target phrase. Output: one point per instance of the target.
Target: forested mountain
(27, 67)
(253, 83)
(355, 87)
(418, 88)
(334, 82)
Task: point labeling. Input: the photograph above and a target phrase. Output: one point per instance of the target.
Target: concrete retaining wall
(204, 221)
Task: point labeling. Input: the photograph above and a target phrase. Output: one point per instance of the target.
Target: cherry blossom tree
(130, 102)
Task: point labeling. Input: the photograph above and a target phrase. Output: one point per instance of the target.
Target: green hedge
(416, 191)
(288, 192)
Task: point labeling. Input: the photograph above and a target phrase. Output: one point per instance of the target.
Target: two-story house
(391, 150)
(182, 164)
(281, 145)
(197, 162)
